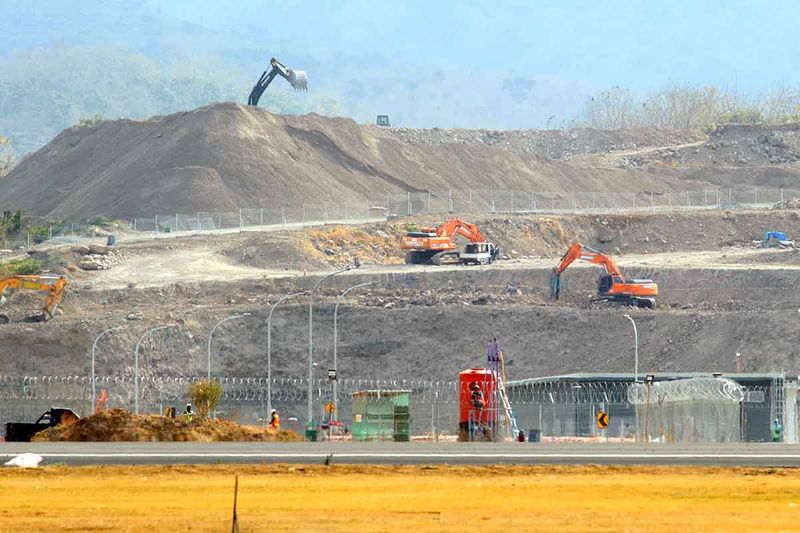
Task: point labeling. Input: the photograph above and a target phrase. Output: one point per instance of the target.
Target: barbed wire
(294, 389)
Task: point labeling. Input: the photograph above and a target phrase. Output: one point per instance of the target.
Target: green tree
(205, 396)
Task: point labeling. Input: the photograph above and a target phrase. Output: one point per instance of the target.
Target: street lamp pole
(551, 117)
(636, 350)
(336, 343)
(94, 346)
(136, 363)
(211, 334)
(635, 370)
(269, 346)
(311, 337)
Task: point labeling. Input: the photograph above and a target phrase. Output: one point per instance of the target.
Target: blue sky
(436, 63)
(752, 44)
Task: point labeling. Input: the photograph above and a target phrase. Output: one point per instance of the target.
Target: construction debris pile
(120, 425)
(554, 144)
(97, 257)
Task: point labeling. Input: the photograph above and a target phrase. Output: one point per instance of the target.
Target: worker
(777, 431)
(274, 421)
(189, 414)
(476, 395)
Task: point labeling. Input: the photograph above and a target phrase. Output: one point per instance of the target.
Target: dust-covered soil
(227, 156)
(719, 294)
(120, 425)
(393, 498)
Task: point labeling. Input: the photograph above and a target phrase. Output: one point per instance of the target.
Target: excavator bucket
(298, 79)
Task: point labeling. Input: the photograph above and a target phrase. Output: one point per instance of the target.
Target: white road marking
(431, 455)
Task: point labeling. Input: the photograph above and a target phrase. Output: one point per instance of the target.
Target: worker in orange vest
(274, 421)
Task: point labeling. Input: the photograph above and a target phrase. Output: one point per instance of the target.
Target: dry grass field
(402, 498)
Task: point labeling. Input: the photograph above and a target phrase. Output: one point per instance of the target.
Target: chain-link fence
(468, 201)
(556, 410)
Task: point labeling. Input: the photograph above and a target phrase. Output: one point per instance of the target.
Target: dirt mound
(228, 156)
(120, 425)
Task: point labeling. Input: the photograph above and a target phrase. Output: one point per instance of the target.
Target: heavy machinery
(428, 245)
(297, 78)
(611, 286)
(52, 285)
(776, 238)
(22, 431)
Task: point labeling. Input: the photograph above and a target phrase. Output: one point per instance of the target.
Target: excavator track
(445, 258)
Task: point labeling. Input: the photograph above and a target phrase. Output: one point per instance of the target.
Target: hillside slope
(226, 156)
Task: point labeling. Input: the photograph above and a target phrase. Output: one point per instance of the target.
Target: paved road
(408, 453)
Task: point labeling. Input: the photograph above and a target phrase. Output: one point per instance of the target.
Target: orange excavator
(612, 286)
(52, 285)
(428, 245)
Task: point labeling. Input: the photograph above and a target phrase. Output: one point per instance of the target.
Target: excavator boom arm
(52, 285)
(297, 78)
(584, 253)
(456, 226)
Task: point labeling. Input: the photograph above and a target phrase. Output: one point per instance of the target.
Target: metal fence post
(134, 223)
(176, 222)
(241, 220)
(781, 196)
(449, 200)
(594, 199)
(261, 217)
(492, 192)
(283, 215)
(199, 223)
(408, 203)
(533, 203)
(156, 224)
(573, 201)
(429, 201)
(219, 220)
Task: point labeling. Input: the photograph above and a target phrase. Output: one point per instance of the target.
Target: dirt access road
(200, 265)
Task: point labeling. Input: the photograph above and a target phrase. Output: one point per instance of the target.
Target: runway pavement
(766, 454)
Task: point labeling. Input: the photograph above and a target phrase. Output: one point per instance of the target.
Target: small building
(568, 406)
(381, 415)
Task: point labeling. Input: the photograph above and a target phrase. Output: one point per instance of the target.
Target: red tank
(467, 412)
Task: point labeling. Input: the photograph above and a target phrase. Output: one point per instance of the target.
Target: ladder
(511, 423)
(778, 400)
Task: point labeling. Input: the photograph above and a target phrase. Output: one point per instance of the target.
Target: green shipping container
(382, 415)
